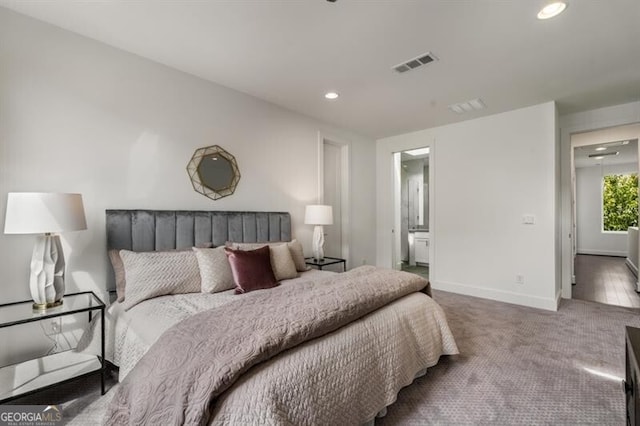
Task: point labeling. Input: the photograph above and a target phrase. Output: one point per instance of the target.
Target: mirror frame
(196, 180)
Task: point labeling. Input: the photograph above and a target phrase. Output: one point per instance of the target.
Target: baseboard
(630, 265)
(549, 304)
(603, 253)
(558, 299)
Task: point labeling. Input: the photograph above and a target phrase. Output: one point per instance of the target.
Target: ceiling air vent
(472, 105)
(414, 63)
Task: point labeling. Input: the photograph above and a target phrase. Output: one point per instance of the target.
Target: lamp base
(45, 306)
(318, 243)
(47, 272)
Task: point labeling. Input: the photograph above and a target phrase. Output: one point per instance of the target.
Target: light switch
(528, 219)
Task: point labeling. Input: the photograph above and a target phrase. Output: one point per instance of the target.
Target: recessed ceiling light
(601, 148)
(419, 151)
(552, 9)
(331, 95)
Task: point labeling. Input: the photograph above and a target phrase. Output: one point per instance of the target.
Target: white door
(333, 197)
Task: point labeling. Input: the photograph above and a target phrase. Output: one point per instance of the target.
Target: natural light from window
(619, 202)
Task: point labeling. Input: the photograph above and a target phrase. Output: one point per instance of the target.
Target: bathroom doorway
(412, 211)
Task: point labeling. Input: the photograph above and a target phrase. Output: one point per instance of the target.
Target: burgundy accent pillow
(251, 269)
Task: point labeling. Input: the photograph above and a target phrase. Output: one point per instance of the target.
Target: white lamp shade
(318, 215)
(44, 212)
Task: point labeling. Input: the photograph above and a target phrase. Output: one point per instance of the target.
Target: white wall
(590, 237)
(79, 116)
(570, 124)
(486, 173)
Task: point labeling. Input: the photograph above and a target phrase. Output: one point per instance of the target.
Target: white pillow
(152, 274)
(297, 255)
(282, 263)
(215, 270)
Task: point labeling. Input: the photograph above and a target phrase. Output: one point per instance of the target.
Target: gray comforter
(194, 362)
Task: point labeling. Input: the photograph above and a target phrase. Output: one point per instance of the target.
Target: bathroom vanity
(418, 247)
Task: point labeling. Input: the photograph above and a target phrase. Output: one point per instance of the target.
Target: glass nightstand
(326, 262)
(36, 374)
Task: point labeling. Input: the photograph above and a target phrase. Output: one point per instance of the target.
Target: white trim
(432, 214)
(345, 158)
(549, 304)
(603, 252)
(631, 266)
(558, 298)
(396, 231)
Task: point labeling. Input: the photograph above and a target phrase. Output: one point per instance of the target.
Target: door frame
(345, 161)
(567, 171)
(396, 196)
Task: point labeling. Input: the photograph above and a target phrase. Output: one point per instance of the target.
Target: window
(619, 202)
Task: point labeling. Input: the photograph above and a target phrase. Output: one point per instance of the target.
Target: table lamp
(46, 214)
(318, 215)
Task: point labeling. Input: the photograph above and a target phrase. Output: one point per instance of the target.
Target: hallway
(605, 279)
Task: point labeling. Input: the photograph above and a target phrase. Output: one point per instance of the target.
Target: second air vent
(414, 63)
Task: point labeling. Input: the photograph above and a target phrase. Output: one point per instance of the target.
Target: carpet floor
(523, 366)
(517, 366)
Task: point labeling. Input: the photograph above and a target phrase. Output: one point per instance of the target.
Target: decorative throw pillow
(251, 269)
(297, 255)
(250, 246)
(215, 270)
(282, 263)
(118, 267)
(294, 247)
(152, 274)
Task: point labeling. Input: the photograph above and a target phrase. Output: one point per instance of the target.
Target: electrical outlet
(519, 279)
(364, 261)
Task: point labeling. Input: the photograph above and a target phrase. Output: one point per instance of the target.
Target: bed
(344, 374)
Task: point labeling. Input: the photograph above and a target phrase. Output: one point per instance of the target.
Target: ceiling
(626, 154)
(291, 52)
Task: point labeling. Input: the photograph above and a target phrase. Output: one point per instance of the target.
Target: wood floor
(605, 279)
(421, 270)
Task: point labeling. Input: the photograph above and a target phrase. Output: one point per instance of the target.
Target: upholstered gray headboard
(149, 230)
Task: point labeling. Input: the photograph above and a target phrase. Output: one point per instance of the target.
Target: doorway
(334, 188)
(605, 218)
(411, 182)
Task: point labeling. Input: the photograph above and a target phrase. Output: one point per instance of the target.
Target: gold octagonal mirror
(214, 172)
